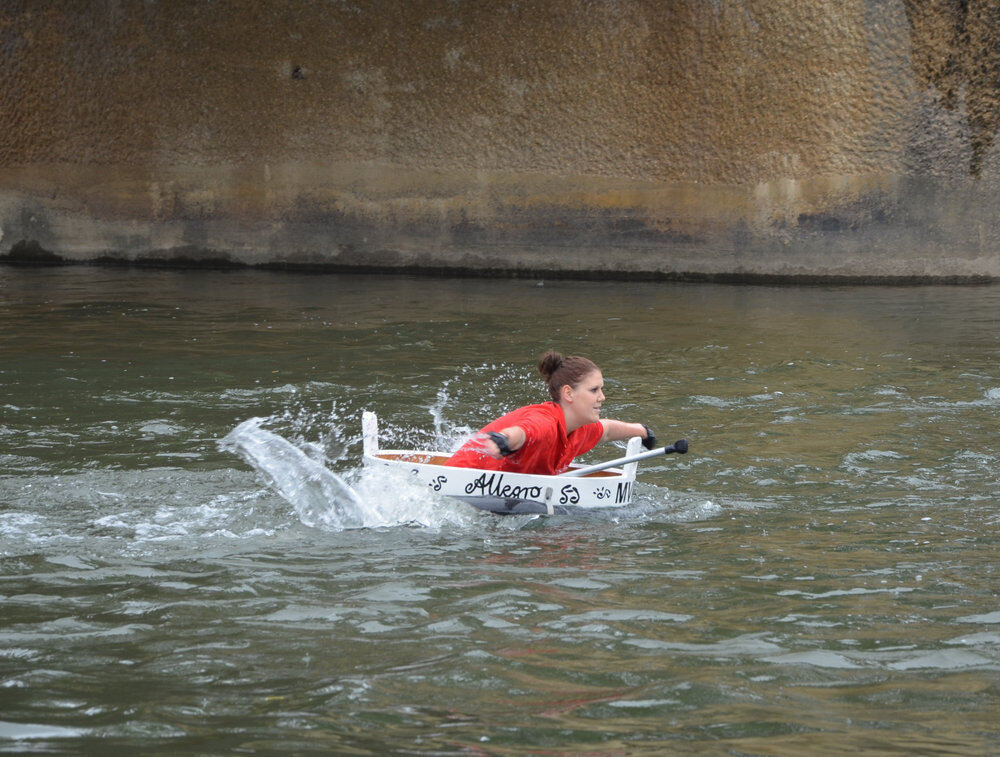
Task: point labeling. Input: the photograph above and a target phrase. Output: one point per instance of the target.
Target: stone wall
(630, 138)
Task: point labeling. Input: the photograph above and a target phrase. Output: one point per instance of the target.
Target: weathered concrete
(583, 137)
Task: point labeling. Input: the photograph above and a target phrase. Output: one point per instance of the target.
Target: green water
(818, 575)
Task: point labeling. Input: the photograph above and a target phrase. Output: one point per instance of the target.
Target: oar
(680, 447)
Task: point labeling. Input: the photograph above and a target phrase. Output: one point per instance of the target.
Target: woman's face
(586, 398)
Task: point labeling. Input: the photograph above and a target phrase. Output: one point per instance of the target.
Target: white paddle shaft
(620, 461)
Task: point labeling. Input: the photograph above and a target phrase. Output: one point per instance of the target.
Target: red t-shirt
(547, 448)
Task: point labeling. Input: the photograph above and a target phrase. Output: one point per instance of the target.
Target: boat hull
(501, 491)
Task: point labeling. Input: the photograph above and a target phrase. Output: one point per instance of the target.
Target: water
(817, 575)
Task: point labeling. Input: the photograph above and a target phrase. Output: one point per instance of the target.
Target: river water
(817, 575)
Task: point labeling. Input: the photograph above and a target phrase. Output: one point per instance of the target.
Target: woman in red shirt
(545, 438)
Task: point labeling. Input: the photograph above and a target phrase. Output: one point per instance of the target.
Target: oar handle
(680, 447)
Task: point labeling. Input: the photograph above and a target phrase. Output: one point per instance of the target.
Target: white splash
(322, 499)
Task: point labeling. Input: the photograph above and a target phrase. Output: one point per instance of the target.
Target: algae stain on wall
(956, 55)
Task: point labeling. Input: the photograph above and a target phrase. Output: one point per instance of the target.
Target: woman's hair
(561, 371)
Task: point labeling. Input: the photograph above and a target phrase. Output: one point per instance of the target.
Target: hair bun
(559, 371)
(549, 363)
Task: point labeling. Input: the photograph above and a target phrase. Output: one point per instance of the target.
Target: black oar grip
(680, 447)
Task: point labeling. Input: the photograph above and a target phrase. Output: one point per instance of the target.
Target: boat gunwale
(428, 457)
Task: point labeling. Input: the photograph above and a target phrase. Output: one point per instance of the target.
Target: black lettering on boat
(437, 482)
(624, 493)
(569, 495)
(492, 484)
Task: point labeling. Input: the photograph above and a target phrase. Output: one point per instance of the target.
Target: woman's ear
(566, 393)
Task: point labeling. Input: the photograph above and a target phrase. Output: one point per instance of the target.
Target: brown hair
(561, 371)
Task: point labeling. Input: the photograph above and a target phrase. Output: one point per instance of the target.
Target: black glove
(650, 441)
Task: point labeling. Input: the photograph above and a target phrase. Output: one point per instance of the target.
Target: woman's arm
(515, 440)
(618, 430)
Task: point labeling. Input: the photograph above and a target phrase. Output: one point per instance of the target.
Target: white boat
(510, 493)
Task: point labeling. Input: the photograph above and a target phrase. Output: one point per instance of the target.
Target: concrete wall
(691, 138)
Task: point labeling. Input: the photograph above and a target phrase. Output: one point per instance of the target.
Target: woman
(545, 438)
